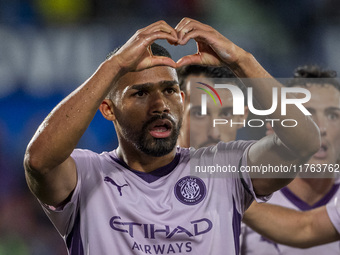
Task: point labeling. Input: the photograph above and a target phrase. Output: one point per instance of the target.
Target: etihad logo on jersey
(165, 233)
(152, 231)
(169, 248)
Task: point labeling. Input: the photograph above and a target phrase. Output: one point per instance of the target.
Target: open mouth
(161, 128)
(322, 152)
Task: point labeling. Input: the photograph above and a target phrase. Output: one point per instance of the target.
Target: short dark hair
(313, 71)
(207, 71)
(156, 49)
(303, 74)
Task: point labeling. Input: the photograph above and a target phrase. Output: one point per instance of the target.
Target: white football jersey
(255, 244)
(333, 210)
(117, 210)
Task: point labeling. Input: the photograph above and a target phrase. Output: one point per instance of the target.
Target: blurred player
(306, 193)
(201, 132)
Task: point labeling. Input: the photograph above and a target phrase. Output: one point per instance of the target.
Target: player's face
(325, 109)
(148, 110)
(202, 132)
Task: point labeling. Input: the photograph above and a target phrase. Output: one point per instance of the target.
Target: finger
(197, 35)
(182, 23)
(153, 25)
(187, 21)
(158, 26)
(150, 38)
(183, 27)
(181, 33)
(140, 42)
(155, 61)
(163, 61)
(194, 59)
(188, 25)
(173, 43)
(149, 50)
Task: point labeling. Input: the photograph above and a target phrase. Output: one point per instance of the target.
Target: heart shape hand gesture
(212, 47)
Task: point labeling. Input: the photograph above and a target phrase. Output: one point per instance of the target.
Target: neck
(140, 161)
(311, 190)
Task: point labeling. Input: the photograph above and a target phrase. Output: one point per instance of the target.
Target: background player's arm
(50, 171)
(288, 145)
(290, 227)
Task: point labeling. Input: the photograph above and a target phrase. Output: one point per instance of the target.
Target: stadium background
(49, 47)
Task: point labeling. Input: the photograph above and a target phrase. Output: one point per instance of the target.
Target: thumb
(194, 59)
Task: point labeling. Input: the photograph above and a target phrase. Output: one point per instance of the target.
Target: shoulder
(239, 145)
(82, 153)
(87, 159)
(88, 154)
(234, 147)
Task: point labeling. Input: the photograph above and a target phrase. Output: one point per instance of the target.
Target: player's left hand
(212, 47)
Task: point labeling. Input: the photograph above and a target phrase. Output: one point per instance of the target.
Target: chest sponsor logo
(190, 190)
(150, 230)
(170, 239)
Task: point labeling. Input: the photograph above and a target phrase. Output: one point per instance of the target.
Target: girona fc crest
(190, 190)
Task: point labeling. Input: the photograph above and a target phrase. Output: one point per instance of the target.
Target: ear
(246, 112)
(106, 108)
(183, 96)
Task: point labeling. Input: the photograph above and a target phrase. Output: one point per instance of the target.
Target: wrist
(113, 69)
(246, 66)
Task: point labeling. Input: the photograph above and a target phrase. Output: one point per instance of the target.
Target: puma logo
(119, 188)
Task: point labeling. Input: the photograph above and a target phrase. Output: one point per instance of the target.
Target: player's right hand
(136, 54)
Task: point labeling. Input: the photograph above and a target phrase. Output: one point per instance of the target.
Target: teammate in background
(301, 229)
(142, 197)
(201, 132)
(303, 193)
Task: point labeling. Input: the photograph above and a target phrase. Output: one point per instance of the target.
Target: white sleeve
(63, 217)
(245, 180)
(333, 210)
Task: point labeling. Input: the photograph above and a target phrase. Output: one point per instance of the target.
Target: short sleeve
(225, 161)
(63, 217)
(243, 184)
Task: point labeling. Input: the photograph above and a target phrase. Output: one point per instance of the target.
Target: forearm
(320, 229)
(246, 66)
(277, 223)
(303, 139)
(60, 132)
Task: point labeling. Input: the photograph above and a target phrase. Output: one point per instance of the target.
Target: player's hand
(212, 47)
(136, 54)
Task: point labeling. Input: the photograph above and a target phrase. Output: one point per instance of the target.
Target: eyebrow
(145, 86)
(332, 108)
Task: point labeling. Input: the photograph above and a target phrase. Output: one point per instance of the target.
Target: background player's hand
(212, 47)
(136, 54)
